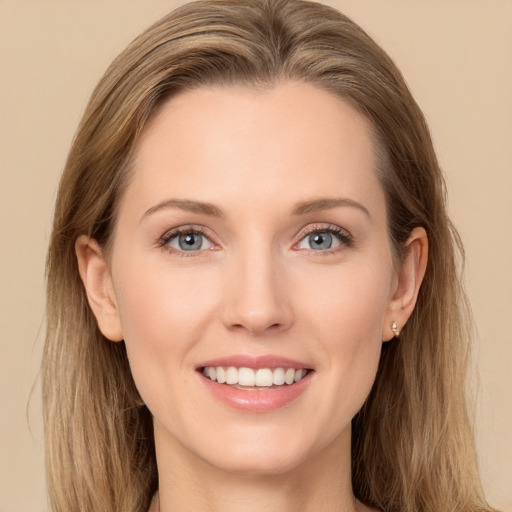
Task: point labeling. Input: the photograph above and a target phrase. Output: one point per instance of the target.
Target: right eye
(187, 241)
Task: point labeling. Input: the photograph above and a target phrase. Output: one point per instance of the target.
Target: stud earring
(395, 329)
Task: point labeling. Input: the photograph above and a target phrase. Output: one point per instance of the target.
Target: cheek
(349, 303)
(157, 301)
(348, 323)
(163, 314)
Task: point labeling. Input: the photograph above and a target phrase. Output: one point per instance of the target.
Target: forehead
(291, 141)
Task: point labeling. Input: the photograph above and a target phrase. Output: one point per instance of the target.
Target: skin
(256, 287)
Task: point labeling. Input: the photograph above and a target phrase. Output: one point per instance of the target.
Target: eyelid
(344, 236)
(163, 240)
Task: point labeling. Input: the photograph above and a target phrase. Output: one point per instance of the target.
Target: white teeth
(246, 377)
(221, 375)
(289, 376)
(262, 377)
(231, 375)
(278, 377)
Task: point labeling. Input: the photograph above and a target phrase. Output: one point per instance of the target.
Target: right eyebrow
(185, 204)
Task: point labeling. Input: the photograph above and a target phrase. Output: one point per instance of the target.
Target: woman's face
(253, 235)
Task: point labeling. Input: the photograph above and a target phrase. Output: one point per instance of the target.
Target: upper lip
(248, 361)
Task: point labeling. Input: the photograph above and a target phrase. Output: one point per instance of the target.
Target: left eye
(320, 241)
(190, 241)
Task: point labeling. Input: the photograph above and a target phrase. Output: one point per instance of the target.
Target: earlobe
(410, 277)
(98, 286)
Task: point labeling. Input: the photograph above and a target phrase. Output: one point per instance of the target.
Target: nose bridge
(256, 299)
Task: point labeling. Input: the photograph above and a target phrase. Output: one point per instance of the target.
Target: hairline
(128, 167)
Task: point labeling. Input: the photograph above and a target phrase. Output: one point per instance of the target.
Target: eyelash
(344, 237)
(164, 240)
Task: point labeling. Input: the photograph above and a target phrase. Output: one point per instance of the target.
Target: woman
(253, 299)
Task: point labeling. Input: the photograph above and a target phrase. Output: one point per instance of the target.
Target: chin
(265, 452)
(264, 464)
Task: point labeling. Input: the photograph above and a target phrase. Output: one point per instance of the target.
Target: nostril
(256, 316)
(257, 328)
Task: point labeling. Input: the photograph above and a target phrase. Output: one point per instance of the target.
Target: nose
(257, 299)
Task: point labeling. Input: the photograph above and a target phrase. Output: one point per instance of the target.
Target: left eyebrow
(326, 204)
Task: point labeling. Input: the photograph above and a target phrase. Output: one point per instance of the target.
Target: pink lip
(255, 400)
(246, 361)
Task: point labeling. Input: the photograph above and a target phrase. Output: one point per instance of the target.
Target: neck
(320, 483)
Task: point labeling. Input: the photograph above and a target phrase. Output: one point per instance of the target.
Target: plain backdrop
(457, 58)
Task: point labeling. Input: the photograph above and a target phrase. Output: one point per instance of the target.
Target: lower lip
(257, 400)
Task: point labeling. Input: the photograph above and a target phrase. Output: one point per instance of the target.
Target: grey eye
(191, 241)
(320, 241)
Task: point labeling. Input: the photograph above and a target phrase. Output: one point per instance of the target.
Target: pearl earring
(395, 329)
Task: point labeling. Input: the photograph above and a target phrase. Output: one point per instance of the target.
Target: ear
(98, 286)
(410, 277)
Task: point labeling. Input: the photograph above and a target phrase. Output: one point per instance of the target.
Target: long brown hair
(413, 446)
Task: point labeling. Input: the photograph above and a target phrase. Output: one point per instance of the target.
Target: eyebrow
(187, 205)
(326, 204)
(301, 208)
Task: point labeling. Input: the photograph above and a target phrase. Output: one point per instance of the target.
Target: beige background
(457, 58)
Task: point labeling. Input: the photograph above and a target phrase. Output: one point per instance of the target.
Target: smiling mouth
(254, 379)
